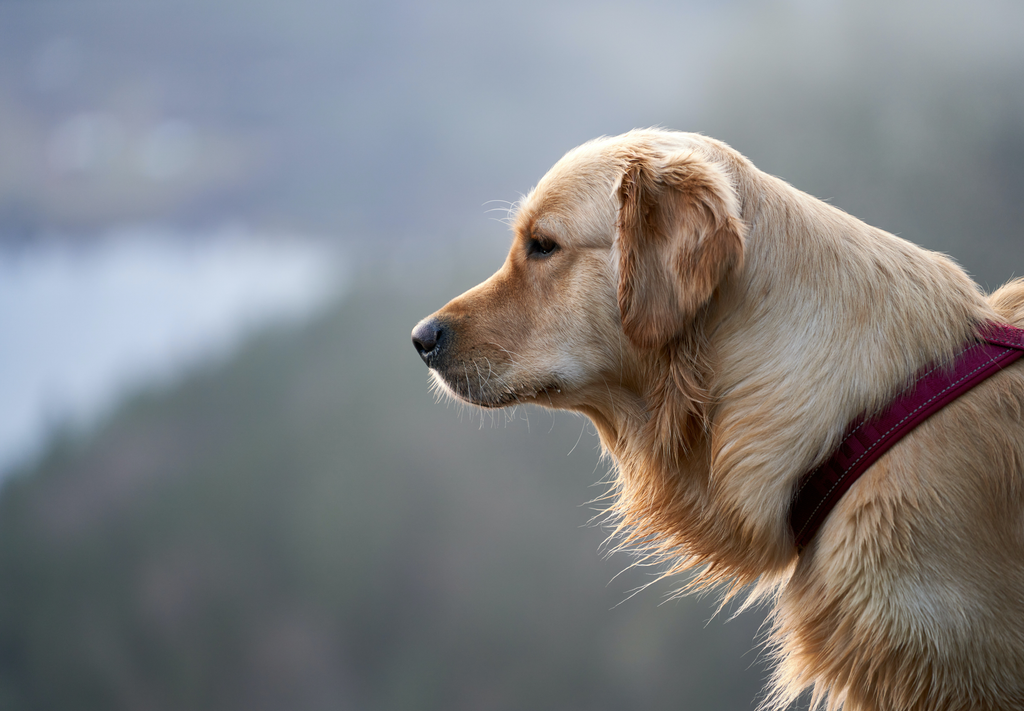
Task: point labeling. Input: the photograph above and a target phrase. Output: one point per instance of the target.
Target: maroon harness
(866, 441)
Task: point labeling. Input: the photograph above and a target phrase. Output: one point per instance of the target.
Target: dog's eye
(539, 248)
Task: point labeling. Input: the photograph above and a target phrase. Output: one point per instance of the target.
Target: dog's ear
(680, 235)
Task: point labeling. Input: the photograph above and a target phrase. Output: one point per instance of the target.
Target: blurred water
(83, 322)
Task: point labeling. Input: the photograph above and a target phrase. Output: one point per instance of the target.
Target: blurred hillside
(305, 528)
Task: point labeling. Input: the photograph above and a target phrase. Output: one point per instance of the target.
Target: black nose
(427, 336)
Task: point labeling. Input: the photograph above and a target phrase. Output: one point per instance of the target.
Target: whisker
(578, 439)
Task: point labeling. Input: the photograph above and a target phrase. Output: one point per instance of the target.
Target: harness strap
(867, 440)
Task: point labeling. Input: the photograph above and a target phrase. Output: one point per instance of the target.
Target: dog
(722, 329)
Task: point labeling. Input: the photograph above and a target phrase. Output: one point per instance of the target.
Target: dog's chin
(495, 394)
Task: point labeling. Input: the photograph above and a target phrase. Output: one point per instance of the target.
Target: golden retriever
(721, 329)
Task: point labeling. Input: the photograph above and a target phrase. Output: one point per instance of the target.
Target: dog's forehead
(577, 199)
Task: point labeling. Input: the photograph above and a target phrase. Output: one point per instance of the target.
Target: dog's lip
(547, 390)
(505, 398)
(536, 394)
(513, 397)
(496, 390)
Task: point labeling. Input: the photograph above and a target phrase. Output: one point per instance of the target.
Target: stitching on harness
(881, 439)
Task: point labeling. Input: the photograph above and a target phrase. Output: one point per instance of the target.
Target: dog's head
(616, 252)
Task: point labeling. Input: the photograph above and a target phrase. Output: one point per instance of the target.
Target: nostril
(426, 335)
(425, 341)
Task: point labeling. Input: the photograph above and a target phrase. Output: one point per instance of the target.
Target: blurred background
(225, 484)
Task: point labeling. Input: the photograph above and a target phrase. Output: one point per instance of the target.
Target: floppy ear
(680, 235)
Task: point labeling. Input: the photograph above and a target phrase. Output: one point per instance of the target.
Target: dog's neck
(796, 347)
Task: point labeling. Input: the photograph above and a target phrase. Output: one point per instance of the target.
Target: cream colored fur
(721, 328)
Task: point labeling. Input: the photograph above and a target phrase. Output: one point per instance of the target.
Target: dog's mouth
(492, 391)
